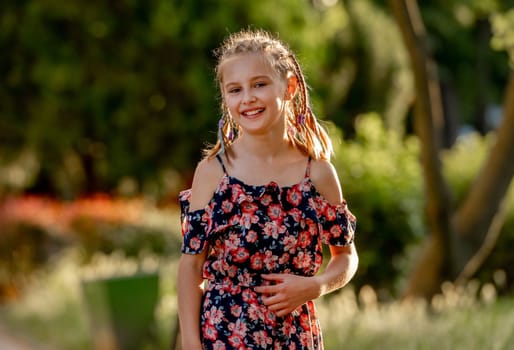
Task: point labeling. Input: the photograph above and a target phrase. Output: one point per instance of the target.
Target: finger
(263, 289)
(285, 311)
(267, 289)
(273, 277)
(277, 306)
(271, 300)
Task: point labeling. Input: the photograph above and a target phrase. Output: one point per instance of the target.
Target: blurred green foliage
(472, 75)
(461, 165)
(503, 33)
(382, 183)
(96, 236)
(24, 248)
(120, 97)
(381, 180)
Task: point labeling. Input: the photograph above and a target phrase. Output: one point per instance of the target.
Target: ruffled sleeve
(337, 223)
(198, 226)
(194, 225)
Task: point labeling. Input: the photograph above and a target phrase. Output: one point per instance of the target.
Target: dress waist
(245, 280)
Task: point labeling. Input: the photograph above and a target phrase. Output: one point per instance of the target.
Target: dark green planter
(121, 310)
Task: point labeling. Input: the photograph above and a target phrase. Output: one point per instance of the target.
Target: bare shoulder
(208, 174)
(325, 179)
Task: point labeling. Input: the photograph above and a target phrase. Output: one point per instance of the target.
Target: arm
(189, 299)
(189, 281)
(340, 269)
(343, 260)
(291, 291)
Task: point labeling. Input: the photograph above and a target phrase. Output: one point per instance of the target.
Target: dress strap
(218, 157)
(308, 168)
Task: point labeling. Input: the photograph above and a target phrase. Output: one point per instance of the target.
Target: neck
(264, 147)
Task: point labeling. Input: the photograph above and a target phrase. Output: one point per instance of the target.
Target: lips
(252, 113)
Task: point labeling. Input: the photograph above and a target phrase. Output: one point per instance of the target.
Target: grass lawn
(53, 312)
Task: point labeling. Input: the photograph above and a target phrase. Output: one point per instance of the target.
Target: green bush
(381, 179)
(34, 230)
(133, 83)
(462, 162)
(131, 239)
(24, 249)
(461, 165)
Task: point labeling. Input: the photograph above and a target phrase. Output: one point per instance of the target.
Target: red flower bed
(33, 228)
(58, 216)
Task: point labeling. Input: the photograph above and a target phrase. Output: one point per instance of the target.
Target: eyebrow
(251, 79)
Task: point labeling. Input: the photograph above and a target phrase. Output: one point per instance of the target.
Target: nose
(248, 97)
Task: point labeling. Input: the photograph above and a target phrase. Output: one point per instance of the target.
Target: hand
(288, 293)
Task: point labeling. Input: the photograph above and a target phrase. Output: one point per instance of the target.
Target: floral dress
(253, 230)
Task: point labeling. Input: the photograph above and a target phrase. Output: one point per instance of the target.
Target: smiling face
(254, 93)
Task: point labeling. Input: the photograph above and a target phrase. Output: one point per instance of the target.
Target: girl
(262, 202)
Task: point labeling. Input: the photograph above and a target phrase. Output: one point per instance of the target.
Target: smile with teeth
(252, 113)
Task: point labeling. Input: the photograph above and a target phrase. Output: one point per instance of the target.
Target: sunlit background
(105, 107)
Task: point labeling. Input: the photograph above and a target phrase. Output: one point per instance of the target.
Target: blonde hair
(303, 128)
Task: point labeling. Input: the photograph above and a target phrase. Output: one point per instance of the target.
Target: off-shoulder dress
(253, 230)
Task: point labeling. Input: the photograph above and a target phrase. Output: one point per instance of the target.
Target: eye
(234, 90)
(260, 84)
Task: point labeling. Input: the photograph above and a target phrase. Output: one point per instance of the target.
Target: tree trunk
(428, 123)
(478, 221)
(458, 242)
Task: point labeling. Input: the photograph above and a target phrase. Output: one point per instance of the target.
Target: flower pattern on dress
(254, 230)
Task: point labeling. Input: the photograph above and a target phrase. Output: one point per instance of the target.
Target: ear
(292, 86)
